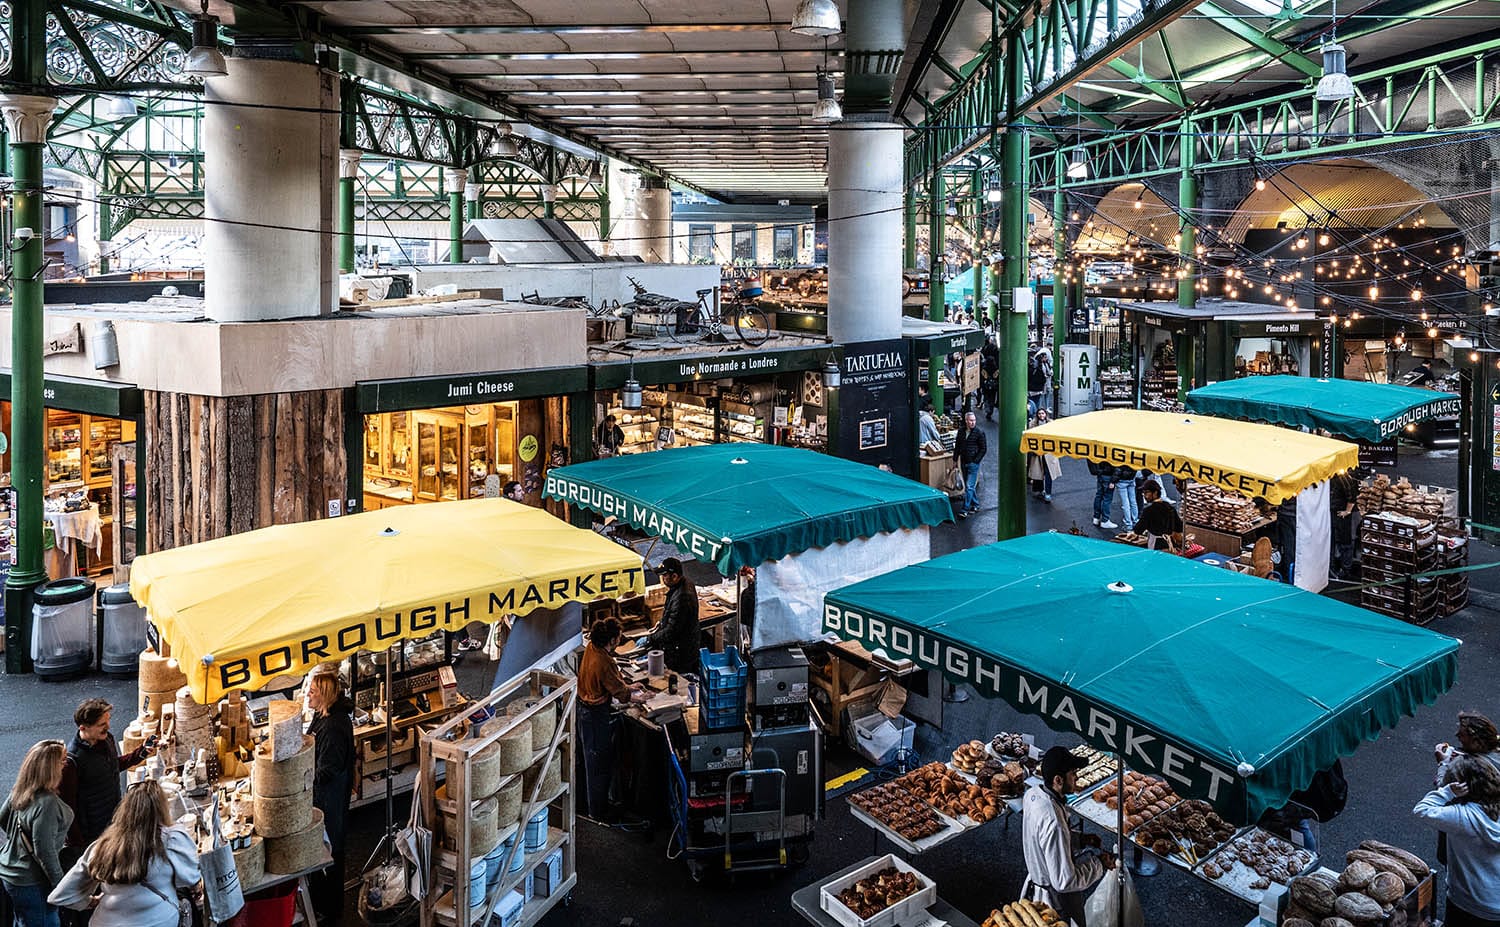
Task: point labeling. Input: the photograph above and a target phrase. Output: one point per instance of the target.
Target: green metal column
(1187, 223)
(1010, 521)
(1187, 248)
(348, 174)
(909, 253)
(454, 179)
(937, 215)
(26, 119)
(1061, 291)
(976, 189)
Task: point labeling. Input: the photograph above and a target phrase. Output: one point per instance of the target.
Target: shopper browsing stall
(1159, 521)
(91, 773)
(132, 874)
(35, 820)
(1060, 869)
(332, 730)
(677, 634)
(1466, 809)
(599, 686)
(972, 446)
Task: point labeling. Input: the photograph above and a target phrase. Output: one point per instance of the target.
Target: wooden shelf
(445, 909)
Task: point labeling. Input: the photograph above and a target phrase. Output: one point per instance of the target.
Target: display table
(1228, 543)
(806, 902)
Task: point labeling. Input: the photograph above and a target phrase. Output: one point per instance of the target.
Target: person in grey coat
(35, 821)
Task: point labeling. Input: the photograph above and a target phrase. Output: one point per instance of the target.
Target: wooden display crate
(448, 899)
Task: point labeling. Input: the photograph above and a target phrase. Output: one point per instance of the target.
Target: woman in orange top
(599, 685)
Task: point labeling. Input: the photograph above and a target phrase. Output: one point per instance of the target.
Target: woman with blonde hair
(332, 730)
(35, 821)
(132, 874)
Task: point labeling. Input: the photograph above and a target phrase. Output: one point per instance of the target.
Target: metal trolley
(735, 821)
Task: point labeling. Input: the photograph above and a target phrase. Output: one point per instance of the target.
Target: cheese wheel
(515, 750)
(543, 725)
(284, 815)
(251, 863)
(484, 771)
(291, 776)
(299, 850)
(160, 674)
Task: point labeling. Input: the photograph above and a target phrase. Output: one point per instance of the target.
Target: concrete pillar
(348, 178)
(654, 225)
(455, 180)
(865, 191)
(271, 134)
(26, 122)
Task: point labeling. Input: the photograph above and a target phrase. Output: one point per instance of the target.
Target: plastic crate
(720, 718)
(723, 671)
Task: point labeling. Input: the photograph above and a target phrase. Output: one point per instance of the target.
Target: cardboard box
(508, 909)
(548, 875)
(448, 685)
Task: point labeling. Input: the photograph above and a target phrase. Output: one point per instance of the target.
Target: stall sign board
(1377, 455)
(1304, 328)
(1244, 484)
(372, 396)
(90, 397)
(688, 538)
(1062, 708)
(874, 410)
(719, 366)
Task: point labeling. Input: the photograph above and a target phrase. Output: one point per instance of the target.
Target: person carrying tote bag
(34, 823)
(133, 875)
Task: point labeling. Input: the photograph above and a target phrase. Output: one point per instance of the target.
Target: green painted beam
(1162, 91)
(1259, 40)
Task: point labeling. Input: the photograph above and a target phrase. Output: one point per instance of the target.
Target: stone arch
(1130, 212)
(1340, 193)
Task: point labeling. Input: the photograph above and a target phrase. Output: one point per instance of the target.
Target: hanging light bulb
(817, 18)
(504, 146)
(1335, 84)
(827, 108)
(1416, 296)
(1432, 332)
(1323, 239)
(1078, 164)
(1473, 357)
(204, 59)
(174, 167)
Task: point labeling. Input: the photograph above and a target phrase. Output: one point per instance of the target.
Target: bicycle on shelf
(748, 323)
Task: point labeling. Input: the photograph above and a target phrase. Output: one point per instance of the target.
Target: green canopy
(737, 505)
(1373, 412)
(1234, 689)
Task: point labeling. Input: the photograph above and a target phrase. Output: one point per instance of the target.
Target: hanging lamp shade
(595, 174)
(827, 108)
(631, 394)
(120, 108)
(1335, 84)
(204, 59)
(817, 18)
(504, 146)
(1078, 164)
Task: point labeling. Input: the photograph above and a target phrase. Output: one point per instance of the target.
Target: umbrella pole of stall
(1120, 845)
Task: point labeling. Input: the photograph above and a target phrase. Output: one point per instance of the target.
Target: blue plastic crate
(723, 698)
(723, 670)
(715, 718)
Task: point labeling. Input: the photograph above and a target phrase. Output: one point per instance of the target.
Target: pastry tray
(1237, 881)
(1005, 809)
(951, 829)
(1099, 812)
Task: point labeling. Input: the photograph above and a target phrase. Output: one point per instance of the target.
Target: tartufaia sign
(685, 537)
(1144, 750)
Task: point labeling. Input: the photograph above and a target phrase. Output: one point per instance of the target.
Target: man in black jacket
(677, 634)
(91, 773)
(971, 448)
(1104, 493)
(1343, 497)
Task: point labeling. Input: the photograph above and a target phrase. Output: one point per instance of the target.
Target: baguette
(1030, 915)
(1411, 861)
(1012, 919)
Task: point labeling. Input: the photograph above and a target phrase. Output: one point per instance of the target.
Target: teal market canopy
(736, 505)
(1234, 689)
(1373, 412)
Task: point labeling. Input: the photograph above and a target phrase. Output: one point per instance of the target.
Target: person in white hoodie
(1466, 808)
(1062, 866)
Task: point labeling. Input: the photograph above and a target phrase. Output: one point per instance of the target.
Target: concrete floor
(628, 875)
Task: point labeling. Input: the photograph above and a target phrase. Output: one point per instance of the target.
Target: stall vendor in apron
(1062, 865)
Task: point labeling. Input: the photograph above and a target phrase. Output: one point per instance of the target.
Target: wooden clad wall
(222, 465)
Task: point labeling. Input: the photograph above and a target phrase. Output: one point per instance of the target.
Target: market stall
(1407, 528)
(234, 615)
(804, 522)
(1244, 459)
(1151, 671)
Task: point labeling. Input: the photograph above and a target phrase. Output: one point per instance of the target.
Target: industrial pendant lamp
(120, 108)
(832, 375)
(595, 174)
(1334, 85)
(827, 108)
(204, 59)
(1078, 164)
(504, 146)
(817, 17)
(631, 393)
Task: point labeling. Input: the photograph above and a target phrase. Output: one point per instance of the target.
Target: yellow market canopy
(1244, 458)
(240, 610)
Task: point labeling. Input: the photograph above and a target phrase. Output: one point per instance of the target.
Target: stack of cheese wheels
(551, 778)
(284, 812)
(159, 680)
(195, 726)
